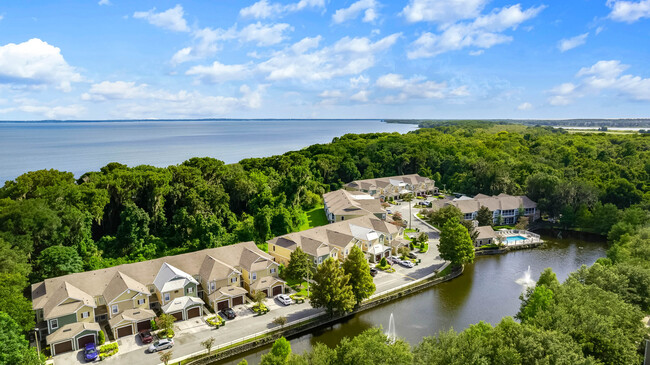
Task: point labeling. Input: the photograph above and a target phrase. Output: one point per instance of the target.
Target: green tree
(441, 216)
(57, 261)
(484, 216)
(13, 302)
(165, 322)
(331, 289)
(456, 244)
(101, 338)
(279, 354)
(13, 260)
(13, 344)
(536, 300)
(357, 268)
(299, 266)
(548, 279)
(372, 347)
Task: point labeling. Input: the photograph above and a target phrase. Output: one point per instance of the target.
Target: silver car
(162, 344)
(284, 299)
(406, 263)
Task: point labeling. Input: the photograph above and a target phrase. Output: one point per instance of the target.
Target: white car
(162, 344)
(284, 299)
(406, 263)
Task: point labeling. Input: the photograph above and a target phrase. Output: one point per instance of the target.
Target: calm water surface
(80, 147)
(486, 291)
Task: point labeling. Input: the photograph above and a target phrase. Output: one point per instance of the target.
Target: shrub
(154, 325)
(108, 350)
(101, 338)
(281, 321)
(383, 262)
(215, 321)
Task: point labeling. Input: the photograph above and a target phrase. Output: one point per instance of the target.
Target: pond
(487, 291)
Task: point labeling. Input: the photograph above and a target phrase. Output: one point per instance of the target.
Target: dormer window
(190, 290)
(141, 301)
(85, 314)
(115, 309)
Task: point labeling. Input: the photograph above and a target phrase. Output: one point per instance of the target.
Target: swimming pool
(514, 239)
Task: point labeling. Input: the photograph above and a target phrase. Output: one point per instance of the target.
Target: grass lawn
(302, 291)
(314, 218)
(408, 230)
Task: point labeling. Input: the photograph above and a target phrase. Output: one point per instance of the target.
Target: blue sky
(117, 59)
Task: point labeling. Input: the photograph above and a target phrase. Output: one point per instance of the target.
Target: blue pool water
(512, 239)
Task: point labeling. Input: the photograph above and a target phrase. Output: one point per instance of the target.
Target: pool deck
(528, 237)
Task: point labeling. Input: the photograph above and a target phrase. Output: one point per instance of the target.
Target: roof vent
(67, 330)
(136, 313)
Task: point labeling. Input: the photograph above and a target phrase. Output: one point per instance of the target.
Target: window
(54, 324)
(272, 270)
(166, 297)
(342, 218)
(468, 216)
(254, 276)
(190, 290)
(141, 301)
(213, 286)
(233, 280)
(346, 251)
(115, 309)
(85, 314)
(320, 260)
(273, 247)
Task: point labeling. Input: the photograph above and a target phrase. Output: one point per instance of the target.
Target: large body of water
(487, 291)
(80, 147)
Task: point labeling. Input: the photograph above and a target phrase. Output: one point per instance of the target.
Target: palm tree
(409, 198)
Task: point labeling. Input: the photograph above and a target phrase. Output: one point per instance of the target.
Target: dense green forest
(52, 224)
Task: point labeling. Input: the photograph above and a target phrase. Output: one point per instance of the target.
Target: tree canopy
(331, 289)
(456, 244)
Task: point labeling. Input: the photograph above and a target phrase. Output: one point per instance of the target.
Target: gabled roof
(265, 282)
(132, 315)
(215, 269)
(390, 181)
(119, 284)
(351, 202)
(254, 261)
(170, 278)
(485, 232)
(180, 304)
(227, 292)
(69, 331)
(54, 307)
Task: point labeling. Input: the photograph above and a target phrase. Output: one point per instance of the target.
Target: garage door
(62, 347)
(237, 300)
(277, 290)
(82, 341)
(124, 331)
(144, 325)
(222, 305)
(193, 312)
(178, 316)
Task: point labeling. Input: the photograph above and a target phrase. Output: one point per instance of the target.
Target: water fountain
(392, 336)
(526, 281)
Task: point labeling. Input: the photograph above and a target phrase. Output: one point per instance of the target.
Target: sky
(438, 59)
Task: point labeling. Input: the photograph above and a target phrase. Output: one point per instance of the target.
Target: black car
(373, 272)
(229, 313)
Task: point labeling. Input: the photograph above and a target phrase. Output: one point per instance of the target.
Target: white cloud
(36, 62)
(359, 81)
(483, 32)
(141, 101)
(629, 11)
(602, 77)
(525, 106)
(264, 35)
(171, 19)
(348, 56)
(367, 7)
(442, 11)
(218, 72)
(206, 41)
(331, 94)
(417, 87)
(264, 9)
(49, 112)
(104, 2)
(571, 43)
(361, 96)
(477, 52)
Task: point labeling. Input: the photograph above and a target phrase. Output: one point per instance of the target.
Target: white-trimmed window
(141, 301)
(85, 314)
(320, 260)
(190, 290)
(115, 309)
(166, 297)
(272, 270)
(54, 324)
(254, 276)
(213, 286)
(233, 279)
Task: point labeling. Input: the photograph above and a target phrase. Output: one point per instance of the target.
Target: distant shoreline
(640, 123)
(188, 120)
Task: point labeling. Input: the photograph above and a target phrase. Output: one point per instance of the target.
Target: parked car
(229, 313)
(145, 336)
(395, 259)
(411, 255)
(90, 352)
(164, 344)
(284, 299)
(373, 272)
(406, 263)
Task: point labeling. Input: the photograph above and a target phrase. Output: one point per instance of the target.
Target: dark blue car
(90, 352)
